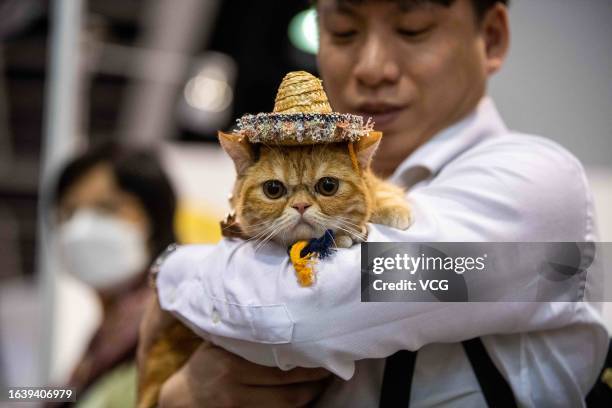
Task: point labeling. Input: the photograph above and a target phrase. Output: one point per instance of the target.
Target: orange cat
(286, 194)
(291, 193)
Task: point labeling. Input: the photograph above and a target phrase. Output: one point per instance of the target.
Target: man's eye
(344, 35)
(274, 189)
(409, 33)
(327, 186)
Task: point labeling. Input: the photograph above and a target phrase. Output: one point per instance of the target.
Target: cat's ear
(239, 149)
(365, 148)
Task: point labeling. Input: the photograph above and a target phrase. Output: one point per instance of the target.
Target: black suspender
(495, 388)
(397, 379)
(399, 369)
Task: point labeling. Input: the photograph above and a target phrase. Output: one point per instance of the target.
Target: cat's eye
(327, 186)
(274, 189)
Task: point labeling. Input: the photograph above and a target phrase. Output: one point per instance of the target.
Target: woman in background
(114, 209)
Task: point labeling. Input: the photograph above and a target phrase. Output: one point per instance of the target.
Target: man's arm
(248, 302)
(214, 377)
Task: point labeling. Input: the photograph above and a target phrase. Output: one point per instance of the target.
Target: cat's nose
(301, 207)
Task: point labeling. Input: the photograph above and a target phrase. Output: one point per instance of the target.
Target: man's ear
(239, 149)
(496, 34)
(365, 148)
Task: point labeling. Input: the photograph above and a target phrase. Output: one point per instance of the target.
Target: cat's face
(296, 193)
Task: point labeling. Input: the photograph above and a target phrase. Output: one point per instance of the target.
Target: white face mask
(103, 251)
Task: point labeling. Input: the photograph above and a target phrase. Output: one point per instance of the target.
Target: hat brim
(297, 129)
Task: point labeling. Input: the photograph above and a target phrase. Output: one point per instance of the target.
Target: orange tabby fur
(361, 198)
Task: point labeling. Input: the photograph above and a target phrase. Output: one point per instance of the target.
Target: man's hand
(214, 377)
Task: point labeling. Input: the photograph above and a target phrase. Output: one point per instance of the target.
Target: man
(420, 69)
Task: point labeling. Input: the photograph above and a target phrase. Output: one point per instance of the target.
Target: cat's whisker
(339, 224)
(344, 221)
(251, 226)
(348, 221)
(324, 226)
(266, 239)
(275, 228)
(261, 242)
(341, 217)
(270, 228)
(356, 237)
(265, 229)
(264, 222)
(347, 229)
(264, 232)
(259, 235)
(352, 232)
(335, 217)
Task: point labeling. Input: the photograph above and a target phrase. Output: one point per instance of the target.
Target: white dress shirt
(485, 183)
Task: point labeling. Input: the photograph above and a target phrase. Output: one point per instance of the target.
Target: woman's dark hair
(138, 172)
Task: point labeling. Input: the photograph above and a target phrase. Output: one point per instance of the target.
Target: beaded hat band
(302, 115)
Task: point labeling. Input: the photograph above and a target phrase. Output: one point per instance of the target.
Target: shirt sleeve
(514, 189)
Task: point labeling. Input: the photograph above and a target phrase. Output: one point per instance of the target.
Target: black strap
(399, 370)
(600, 395)
(495, 388)
(397, 380)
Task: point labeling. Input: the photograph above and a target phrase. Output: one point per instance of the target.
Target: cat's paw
(344, 241)
(402, 220)
(398, 217)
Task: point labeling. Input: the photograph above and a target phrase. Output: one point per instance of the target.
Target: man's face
(414, 70)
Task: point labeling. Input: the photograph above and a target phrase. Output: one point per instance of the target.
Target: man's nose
(377, 64)
(301, 207)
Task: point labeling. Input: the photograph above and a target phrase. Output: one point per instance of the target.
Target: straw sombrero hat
(302, 116)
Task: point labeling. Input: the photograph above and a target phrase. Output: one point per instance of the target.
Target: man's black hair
(480, 6)
(137, 172)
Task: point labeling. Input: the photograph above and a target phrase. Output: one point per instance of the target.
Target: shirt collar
(443, 147)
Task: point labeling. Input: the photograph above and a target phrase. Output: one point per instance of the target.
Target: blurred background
(167, 74)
